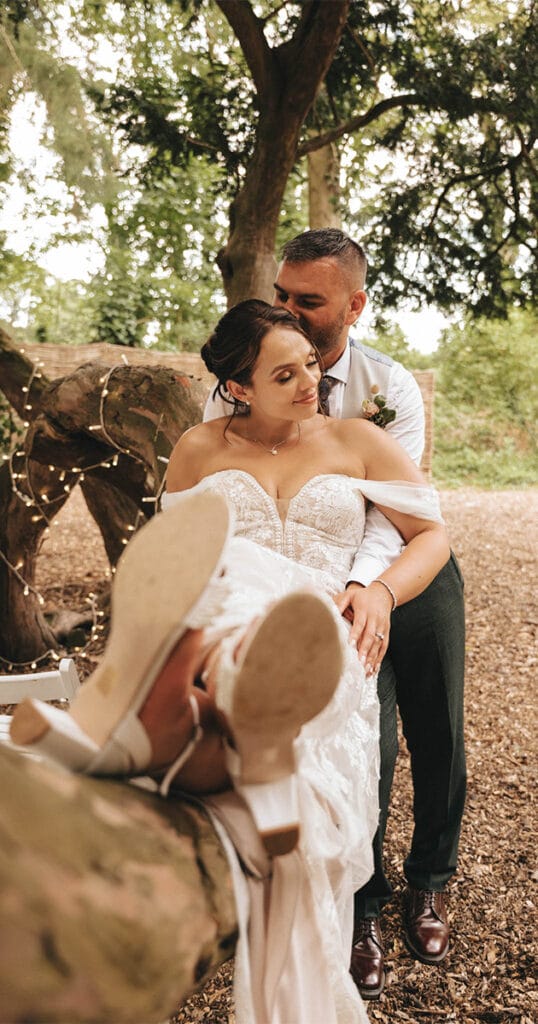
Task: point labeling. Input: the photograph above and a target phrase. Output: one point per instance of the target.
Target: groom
(321, 281)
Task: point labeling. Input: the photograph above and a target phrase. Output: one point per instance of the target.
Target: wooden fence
(60, 360)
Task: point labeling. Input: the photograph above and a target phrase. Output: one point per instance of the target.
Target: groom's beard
(326, 339)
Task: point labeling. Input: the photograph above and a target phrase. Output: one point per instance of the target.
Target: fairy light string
(43, 504)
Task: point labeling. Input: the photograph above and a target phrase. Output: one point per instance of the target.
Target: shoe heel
(285, 675)
(53, 734)
(275, 809)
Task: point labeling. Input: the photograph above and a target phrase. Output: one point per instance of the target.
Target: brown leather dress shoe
(367, 958)
(426, 925)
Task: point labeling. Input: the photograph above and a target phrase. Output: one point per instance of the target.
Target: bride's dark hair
(231, 352)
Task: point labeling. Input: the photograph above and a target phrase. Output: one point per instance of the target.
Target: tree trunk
(115, 903)
(111, 431)
(324, 188)
(287, 79)
(24, 632)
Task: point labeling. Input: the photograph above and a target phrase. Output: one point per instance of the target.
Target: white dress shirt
(382, 543)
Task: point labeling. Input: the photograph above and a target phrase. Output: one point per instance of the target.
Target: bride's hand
(368, 610)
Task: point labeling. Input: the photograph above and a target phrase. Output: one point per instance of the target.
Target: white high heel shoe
(167, 581)
(285, 674)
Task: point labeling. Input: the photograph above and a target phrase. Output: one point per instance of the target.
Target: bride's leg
(140, 709)
(261, 683)
(167, 717)
(167, 582)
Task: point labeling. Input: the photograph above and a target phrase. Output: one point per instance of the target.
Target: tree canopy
(187, 123)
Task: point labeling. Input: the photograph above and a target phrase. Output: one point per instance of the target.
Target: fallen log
(109, 430)
(115, 903)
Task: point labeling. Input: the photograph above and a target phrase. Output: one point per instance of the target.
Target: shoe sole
(287, 675)
(159, 579)
(372, 993)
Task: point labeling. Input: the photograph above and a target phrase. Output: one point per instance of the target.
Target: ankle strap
(182, 758)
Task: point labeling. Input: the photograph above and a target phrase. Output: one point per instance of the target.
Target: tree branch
(489, 256)
(459, 179)
(19, 372)
(364, 50)
(526, 150)
(248, 29)
(276, 10)
(409, 99)
(305, 59)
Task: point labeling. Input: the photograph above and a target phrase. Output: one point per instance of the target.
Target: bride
(240, 667)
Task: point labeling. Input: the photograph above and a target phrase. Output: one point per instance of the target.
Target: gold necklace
(273, 449)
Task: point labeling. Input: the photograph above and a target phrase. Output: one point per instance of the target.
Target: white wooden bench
(58, 684)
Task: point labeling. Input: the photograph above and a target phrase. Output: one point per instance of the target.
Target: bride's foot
(167, 582)
(284, 673)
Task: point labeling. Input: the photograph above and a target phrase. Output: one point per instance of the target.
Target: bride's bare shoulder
(193, 454)
(201, 435)
(354, 429)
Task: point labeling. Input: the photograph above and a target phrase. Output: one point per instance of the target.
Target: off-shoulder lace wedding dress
(295, 915)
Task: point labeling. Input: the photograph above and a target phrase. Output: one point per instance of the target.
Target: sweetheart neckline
(370, 490)
(317, 476)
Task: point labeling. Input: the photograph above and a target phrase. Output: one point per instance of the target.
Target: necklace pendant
(274, 451)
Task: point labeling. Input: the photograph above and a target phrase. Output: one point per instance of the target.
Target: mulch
(490, 973)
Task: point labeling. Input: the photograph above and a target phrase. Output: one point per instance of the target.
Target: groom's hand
(368, 610)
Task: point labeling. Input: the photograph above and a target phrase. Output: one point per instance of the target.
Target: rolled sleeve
(382, 544)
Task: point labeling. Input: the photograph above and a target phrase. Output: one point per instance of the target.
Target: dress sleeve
(412, 499)
(382, 544)
(169, 498)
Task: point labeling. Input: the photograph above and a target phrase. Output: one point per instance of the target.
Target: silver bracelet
(390, 590)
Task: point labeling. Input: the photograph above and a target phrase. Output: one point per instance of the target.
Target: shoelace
(367, 930)
(428, 897)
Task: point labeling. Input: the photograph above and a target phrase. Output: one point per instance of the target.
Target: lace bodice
(323, 524)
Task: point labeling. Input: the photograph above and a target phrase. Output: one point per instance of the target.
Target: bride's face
(285, 379)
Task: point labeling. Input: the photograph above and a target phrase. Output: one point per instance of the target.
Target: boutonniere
(377, 410)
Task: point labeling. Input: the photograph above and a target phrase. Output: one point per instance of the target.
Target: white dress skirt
(295, 913)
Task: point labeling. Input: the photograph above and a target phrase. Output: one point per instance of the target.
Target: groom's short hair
(321, 243)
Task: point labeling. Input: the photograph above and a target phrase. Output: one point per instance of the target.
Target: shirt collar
(340, 369)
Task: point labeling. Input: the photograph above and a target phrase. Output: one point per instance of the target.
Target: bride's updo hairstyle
(232, 351)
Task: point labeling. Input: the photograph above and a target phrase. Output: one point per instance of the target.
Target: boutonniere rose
(376, 409)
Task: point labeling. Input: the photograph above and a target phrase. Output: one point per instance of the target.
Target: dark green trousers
(422, 677)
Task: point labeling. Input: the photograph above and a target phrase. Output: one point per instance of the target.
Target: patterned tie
(325, 387)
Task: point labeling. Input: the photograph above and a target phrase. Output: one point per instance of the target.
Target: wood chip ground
(490, 973)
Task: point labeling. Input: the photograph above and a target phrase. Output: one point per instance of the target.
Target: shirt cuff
(365, 569)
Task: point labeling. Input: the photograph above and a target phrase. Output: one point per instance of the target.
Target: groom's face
(322, 297)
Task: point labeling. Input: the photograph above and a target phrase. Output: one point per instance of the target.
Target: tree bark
(111, 431)
(115, 903)
(24, 632)
(287, 79)
(324, 188)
